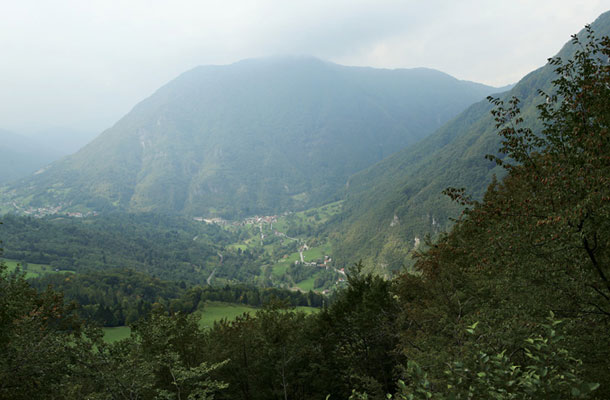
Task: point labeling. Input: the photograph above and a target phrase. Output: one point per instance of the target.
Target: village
(301, 256)
(45, 211)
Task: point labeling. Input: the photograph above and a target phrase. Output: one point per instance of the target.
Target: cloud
(83, 64)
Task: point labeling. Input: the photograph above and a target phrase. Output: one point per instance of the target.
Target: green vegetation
(216, 311)
(32, 270)
(122, 297)
(211, 312)
(127, 241)
(192, 252)
(116, 333)
(307, 284)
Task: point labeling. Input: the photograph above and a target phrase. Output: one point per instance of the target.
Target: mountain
(21, 156)
(258, 136)
(391, 206)
(61, 140)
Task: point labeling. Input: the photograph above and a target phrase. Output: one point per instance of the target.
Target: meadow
(213, 311)
(32, 270)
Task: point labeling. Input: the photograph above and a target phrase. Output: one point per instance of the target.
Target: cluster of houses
(266, 219)
(82, 215)
(325, 263)
(212, 221)
(40, 212)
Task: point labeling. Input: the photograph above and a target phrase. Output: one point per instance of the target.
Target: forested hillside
(257, 136)
(392, 203)
(160, 246)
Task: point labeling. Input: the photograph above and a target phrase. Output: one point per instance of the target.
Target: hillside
(257, 136)
(392, 205)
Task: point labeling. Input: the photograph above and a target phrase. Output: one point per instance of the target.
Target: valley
(291, 228)
(288, 251)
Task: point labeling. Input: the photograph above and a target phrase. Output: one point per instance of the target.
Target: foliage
(40, 339)
(122, 297)
(171, 248)
(549, 372)
(538, 240)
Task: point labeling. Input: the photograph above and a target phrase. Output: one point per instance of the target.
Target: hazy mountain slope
(258, 136)
(394, 202)
(20, 156)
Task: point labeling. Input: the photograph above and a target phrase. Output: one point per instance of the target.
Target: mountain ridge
(257, 136)
(394, 204)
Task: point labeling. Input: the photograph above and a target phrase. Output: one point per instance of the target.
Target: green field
(307, 310)
(315, 253)
(213, 311)
(236, 246)
(307, 284)
(315, 216)
(32, 270)
(280, 268)
(116, 333)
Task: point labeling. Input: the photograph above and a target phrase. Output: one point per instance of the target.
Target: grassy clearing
(236, 246)
(32, 270)
(215, 311)
(279, 269)
(212, 311)
(116, 333)
(316, 253)
(308, 310)
(280, 225)
(292, 257)
(282, 265)
(314, 216)
(307, 284)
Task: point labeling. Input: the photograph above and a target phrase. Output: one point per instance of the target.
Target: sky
(73, 68)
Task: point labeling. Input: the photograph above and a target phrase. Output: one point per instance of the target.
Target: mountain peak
(257, 136)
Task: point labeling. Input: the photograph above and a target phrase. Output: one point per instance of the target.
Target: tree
(549, 373)
(562, 176)
(539, 240)
(41, 341)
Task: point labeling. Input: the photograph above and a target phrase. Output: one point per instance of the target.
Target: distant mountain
(21, 156)
(257, 136)
(63, 141)
(391, 206)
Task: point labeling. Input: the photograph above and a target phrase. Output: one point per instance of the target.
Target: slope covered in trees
(538, 242)
(399, 199)
(257, 136)
(158, 245)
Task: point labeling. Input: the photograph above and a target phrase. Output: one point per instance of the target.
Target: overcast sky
(80, 65)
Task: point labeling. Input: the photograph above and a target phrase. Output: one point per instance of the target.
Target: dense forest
(170, 248)
(122, 297)
(512, 303)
